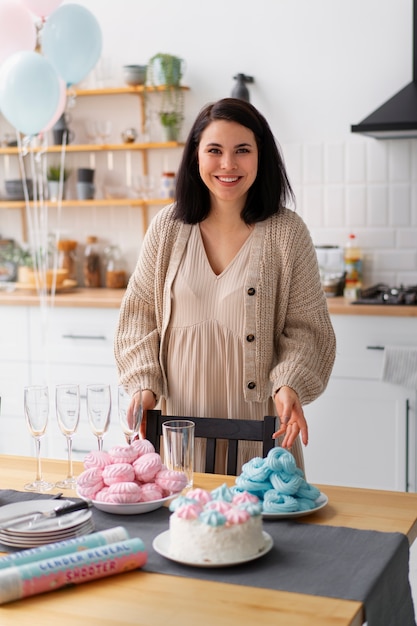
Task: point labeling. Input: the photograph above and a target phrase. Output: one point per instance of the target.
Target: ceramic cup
(178, 438)
(85, 191)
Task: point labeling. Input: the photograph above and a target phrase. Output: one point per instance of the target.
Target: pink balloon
(60, 108)
(43, 8)
(17, 29)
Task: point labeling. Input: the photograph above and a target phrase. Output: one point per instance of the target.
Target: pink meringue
(150, 492)
(171, 481)
(142, 446)
(90, 479)
(124, 493)
(147, 466)
(123, 454)
(97, 458)
(118, 473)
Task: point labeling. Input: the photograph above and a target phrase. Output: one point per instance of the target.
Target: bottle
(92, 270)
(115, 268)
(353, 268)
(67, 258)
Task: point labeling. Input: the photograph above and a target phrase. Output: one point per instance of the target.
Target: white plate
(136, 508)
(40, 540)
(161, 545)
(321, 502)
(48, 525)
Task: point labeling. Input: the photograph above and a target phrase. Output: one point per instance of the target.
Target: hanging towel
(400, 366)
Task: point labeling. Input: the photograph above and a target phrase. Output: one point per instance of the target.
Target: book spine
(22, 581)
(94, 540)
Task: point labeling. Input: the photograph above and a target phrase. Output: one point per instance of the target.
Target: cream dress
(205, 351)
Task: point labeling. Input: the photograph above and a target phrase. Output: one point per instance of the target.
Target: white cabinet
(14, 375)
(77, 348)
(362, 430)
(52, 345)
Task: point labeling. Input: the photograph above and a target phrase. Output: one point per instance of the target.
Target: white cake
(215, 527)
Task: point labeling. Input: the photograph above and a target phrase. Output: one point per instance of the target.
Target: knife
(37, 516)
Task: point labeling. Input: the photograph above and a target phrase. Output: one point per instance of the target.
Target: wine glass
(91, 131)
(98, 409)
(130, 417)
(67, 399)
(104, 128)
(36, 405)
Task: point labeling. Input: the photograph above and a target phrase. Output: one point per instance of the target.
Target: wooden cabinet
(144, 148)
(362, 430)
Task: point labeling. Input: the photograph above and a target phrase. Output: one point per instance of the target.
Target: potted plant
(171, 122)
(166, 70)
(53, 176)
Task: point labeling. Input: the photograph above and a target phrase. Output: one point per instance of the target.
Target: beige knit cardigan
(289, 338)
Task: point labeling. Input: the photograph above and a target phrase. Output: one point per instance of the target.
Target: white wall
(319, 66)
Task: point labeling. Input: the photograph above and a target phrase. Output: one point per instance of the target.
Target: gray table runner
(366, 566)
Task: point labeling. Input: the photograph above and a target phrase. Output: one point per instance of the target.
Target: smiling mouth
(228, 179)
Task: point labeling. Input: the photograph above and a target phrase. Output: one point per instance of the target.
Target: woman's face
(228, 160)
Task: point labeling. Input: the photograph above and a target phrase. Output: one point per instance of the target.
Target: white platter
(321, 502)
(161, 545)
(136, 508)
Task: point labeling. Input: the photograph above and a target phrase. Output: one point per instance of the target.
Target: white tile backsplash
(368, 187)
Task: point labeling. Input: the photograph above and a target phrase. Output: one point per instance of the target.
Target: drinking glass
(98, 409)
(36, 405)
(178, 438)
(130, 417)
(67, 399)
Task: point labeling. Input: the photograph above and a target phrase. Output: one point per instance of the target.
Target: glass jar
(92, 264)
(67, 257)
(168, 185)
(116, 277)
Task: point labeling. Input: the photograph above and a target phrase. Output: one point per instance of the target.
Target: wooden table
(148, 599)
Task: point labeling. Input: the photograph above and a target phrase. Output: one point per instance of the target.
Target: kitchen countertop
(111, 298)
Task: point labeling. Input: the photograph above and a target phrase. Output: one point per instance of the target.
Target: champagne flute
(67, 399)
(98, 409)
(36, 405)
(130, 417)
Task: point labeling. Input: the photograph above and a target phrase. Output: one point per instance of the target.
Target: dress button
(251, 291)
(251, 385)
(250, 338)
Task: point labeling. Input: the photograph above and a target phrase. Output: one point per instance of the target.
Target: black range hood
(397, 118)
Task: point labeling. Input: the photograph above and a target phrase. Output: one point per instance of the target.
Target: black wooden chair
(214, 428)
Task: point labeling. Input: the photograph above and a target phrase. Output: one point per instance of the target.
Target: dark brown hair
(271, 189)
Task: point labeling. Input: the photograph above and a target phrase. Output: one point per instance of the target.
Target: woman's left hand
(291, 416)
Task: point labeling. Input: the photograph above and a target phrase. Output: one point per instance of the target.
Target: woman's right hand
(148, 402)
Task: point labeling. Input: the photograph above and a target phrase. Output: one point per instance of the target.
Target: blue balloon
(72, 41)
(29, 91)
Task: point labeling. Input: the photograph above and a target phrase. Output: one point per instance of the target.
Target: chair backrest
(213, 428)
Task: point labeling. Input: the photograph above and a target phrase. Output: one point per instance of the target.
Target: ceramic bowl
(134, 74)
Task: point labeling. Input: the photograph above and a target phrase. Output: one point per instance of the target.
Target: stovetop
(384, 294)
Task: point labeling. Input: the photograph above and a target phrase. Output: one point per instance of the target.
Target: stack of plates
(32, 534)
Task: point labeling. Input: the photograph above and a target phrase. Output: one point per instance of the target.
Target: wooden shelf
(101, 202)
(116, 91)
(117, 147)
(140, 91)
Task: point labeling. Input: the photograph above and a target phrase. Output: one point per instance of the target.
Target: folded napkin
(400, 366)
